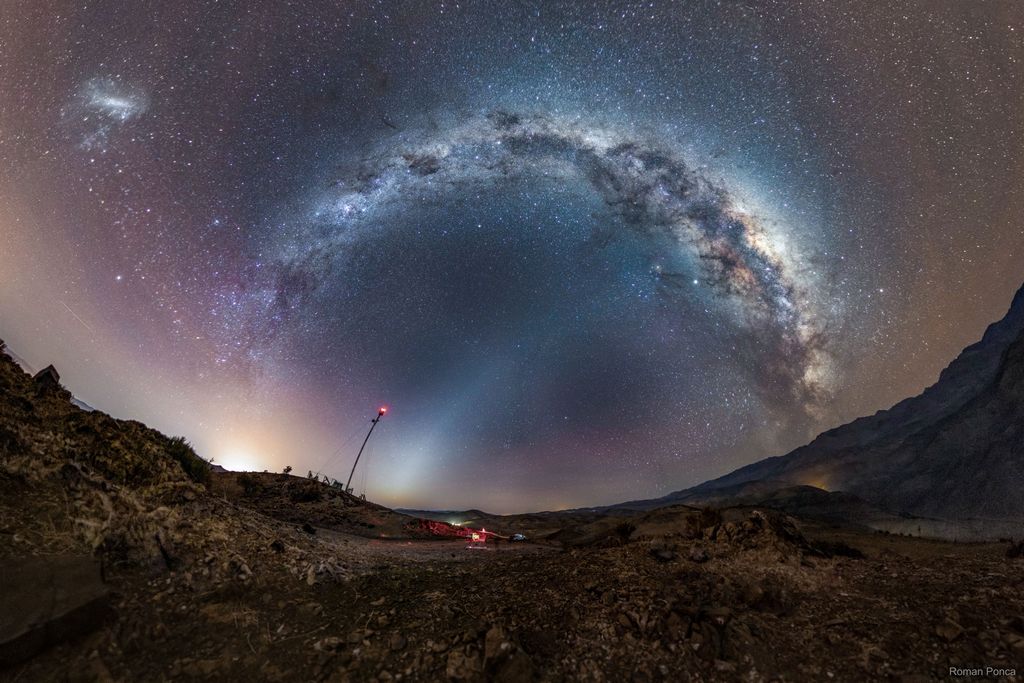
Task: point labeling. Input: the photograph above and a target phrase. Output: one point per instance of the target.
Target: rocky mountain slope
(955, 452)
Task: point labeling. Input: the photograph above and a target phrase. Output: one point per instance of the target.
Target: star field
(587, 252)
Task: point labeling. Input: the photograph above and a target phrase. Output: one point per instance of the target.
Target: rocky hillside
(77, 481)
(955, 452)
(306, 501)
(80, 488)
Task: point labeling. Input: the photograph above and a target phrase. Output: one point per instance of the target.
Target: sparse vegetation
(250, 484)
(307, 492)
(624, 531)
(195, 467)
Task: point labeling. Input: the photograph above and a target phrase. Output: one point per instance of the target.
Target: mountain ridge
(908, 459)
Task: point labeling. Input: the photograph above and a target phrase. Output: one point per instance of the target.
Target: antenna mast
(373, 423)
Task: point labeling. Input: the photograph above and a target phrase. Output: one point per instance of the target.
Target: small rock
(398, 642)
(723, 666)
(698, 555)
(99, 671)
(493, 642)
(203, 668)
(663, 554)
(719, 615)
(308, 528)
(949, 630)
(463, 664)
(1015, 642)
(914, 678)
(329, 644)
(753, 593)
(311, 609)
(676, 625)
(359, 635)
(517, 669)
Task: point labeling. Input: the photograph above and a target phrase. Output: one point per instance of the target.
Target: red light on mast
(383, 409)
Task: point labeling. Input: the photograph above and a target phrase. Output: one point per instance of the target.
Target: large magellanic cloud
(99, 108)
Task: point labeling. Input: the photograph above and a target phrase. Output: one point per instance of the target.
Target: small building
(47, 378)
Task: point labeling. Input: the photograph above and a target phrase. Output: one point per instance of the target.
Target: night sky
(586, 252)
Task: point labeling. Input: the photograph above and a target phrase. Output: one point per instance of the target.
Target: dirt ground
(747, 608)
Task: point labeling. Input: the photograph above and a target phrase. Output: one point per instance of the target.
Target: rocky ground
(204, 585)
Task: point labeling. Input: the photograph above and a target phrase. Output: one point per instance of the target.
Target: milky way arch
(649, 188)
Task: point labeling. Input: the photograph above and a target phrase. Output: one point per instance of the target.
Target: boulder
(48, 600)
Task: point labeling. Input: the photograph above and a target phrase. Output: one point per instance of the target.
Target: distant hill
(17, 359)
(954, 452)
(81, 405)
